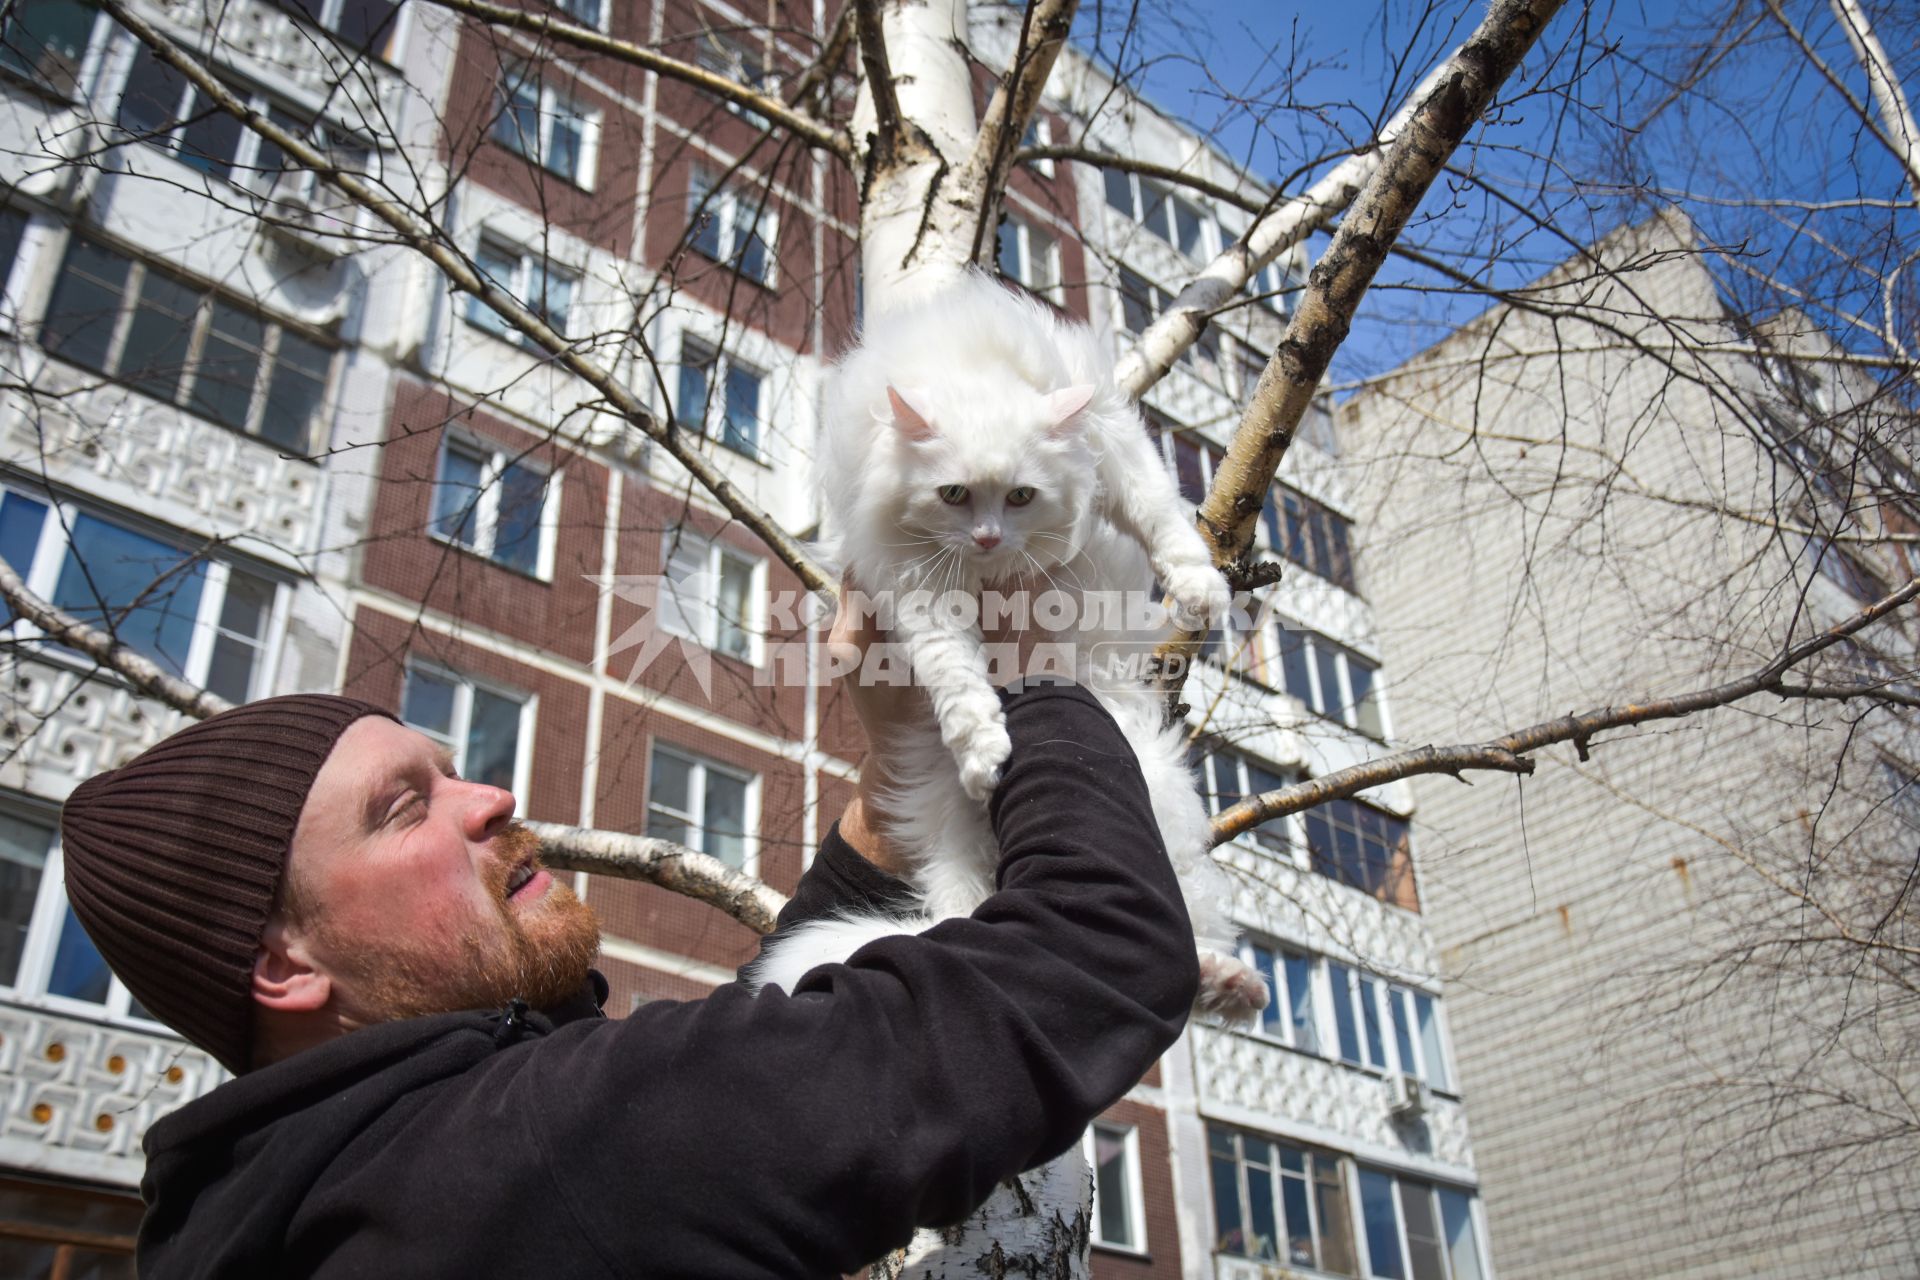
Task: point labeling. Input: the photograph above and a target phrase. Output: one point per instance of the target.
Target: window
(206, 621)
(1273, 1202)
(702, 805)
(1119, 1217)
(494, 504)
(481, 727)
(1415, 1016)
(46, 41)
(1029, 255)
(188, 345)
(730, 227)
(732, 416)
(1418, 1230)
(1357, 1017)
(537, 284)
(365, 25)
(1288, 1016)
(1269, 287)
(1311, 535)
(1230, 778)
(742, 59)
(534, 120)
(159, 106)
(1362, 846)
(587, 13)
(1039, 134)
(1141, 300)
(1175, 220)
(1333, 681)
(48, 957)
(712, 595)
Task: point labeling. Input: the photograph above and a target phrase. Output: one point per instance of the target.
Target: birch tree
(893, 105)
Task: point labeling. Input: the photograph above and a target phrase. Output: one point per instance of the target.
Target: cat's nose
(987, 541)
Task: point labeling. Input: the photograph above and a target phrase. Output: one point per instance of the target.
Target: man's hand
(890, 710)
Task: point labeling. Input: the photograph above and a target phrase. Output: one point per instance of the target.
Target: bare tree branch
(671, 866)
(146, 676)
(1254, 204)
(1509, 752)
(1462, 88)
(1286, 225)
(888, 126)
(1042, 35)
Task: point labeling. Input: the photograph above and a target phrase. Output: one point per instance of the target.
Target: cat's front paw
(1197, 594)
(980, 758)
(1230, 989)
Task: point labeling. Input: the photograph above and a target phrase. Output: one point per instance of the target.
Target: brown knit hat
(174, 859)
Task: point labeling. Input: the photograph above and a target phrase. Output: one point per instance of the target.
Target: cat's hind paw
(980, 760)
(1230, 990)
(1197, 594)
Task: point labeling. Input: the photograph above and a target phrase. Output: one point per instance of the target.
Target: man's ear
(285, 976)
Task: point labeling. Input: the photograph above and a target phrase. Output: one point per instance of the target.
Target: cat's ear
(1064, 406)
(909, 417)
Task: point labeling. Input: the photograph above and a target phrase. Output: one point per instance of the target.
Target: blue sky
(1276, 84)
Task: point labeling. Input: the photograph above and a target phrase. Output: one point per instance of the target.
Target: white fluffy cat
(973, 438)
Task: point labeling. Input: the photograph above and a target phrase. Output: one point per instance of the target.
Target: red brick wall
(554, 617)
(1162, 1260)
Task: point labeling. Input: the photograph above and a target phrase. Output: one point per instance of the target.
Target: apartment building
(1671, 1074)
(278, 454)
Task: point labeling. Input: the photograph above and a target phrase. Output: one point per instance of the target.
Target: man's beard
(539, 954)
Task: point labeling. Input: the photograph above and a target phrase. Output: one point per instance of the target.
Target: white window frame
(1406, 997)
(1400, 1189)
(1283, 1033)
(727, 53)
(202, 324)
(37, 957)
(697, 352)
(730, 209)
(99, 45)
(1040, 134)
(246, 171)
(1210, 235)
(706, 627)
(525, 258)
(463, 687)
(1344, 709)
(1355, 995)
(552, 105)
(1136, 1197)
(486, 512)
(699, 766)
(43, 576)
(1024, 235)
(601, 23)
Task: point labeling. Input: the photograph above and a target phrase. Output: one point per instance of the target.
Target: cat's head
(1001, 478)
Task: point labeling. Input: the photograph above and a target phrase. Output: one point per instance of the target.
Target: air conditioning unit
(1407, 1097)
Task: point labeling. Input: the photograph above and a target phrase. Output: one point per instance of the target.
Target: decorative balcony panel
(62, 728)
(80, 1096)
(1247, 1081)
(161, 461)
(266, 41)
(1278, 899)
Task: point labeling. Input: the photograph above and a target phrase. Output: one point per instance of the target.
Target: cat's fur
(986, 389)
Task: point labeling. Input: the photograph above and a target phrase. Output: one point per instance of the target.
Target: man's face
(416, 892)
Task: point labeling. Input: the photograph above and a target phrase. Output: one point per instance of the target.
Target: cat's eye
(1021, 496)
(952, 494)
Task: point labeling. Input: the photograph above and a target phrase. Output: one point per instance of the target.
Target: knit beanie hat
(174, 859)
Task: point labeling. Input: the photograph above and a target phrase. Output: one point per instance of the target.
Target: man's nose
(489, 810)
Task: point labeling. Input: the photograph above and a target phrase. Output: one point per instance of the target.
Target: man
(426, 1086)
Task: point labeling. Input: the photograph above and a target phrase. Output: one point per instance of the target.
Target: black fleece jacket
(735, 1136)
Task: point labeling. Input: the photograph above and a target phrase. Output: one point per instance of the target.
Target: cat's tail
(787, 958)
